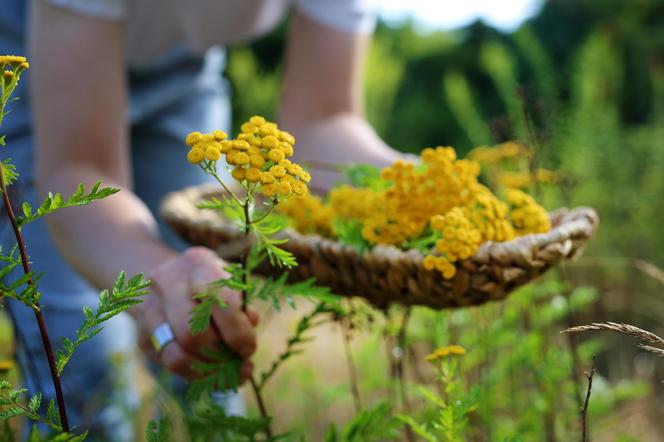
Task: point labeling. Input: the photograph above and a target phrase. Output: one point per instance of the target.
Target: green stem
(220, 181)
(245, 296)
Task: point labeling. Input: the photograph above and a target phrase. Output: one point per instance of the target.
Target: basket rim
(577, 225)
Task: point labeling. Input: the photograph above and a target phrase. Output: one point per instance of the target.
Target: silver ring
(162, 336)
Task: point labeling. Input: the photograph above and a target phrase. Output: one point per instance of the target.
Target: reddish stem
(36, 308)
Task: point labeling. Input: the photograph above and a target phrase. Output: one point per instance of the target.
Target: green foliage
(349, 232)
(19, 289)
(210, 422)
(371, 424)
(364, 176)
(276, 290)
(125, 294)
(158, 431)
(220, 372)
(8, 169)
(199, 320)
(460, 99)
(265, 230)
(12, 405)
(55, 201)
(425, 242)
(449, 418)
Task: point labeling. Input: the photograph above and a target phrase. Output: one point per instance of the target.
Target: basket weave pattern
(387, 274)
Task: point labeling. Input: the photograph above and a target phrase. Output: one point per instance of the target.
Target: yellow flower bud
(277, 171)
(241, 144)
(257, 120)
(249, 128)
(275, 155)
(195, 156)
(212, 153)
(219, 135)
(241, 158)
(304, 176)
(267, 178)
(294, 169)
(287, 149)
(253, 175)
(285, 136)
(193, 138)
(299, 188)
(230, 156)
(256, 141)
(206, 138)
(226, 146)
(270, 142)
(284, 189)
(239, 173)
(269, 189)
(256, 160)
(267, 129)
(429, 262)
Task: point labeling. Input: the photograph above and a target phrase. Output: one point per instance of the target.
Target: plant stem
(261, 406)
(43, 330)
(584, 410)
(245, 296)
(401, 343)
(354, 384)
(226, 188)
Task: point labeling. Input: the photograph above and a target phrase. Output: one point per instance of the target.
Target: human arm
(78, 91)
(322, 99)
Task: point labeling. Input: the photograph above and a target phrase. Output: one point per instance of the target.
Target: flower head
(259, 154)
(444, 352)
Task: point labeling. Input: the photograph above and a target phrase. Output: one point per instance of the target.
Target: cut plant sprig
(258, 160)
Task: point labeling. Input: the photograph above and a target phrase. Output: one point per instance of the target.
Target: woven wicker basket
(387, 274)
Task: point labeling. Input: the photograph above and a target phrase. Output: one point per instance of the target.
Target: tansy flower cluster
(526, 215)
(444, 352)
(508, 166)
(11, 67)
(417, 193)
(440, 202)
(460, 240)
(309, 215)
(258, 157)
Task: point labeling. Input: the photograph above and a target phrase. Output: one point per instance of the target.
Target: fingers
(172, 357)
(235, 326)
(175, 284)
(177, 306)
(253, 316)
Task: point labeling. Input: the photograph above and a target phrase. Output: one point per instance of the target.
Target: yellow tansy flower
(444, 352)
(195, 156)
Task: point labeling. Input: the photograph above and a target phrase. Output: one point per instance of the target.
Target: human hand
(174, 284)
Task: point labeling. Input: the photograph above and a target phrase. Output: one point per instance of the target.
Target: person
(113, 88)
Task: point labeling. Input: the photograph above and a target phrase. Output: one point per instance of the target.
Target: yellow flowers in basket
(438, 207)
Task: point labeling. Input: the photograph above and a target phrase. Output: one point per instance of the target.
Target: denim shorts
(99, 380)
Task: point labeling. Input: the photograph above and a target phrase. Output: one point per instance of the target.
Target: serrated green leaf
(35, 402)
(8, 172)
(199, 321)
(55, 201)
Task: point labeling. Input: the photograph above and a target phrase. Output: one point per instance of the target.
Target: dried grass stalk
(627, 329)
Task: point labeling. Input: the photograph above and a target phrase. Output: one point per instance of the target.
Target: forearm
(108, 236)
